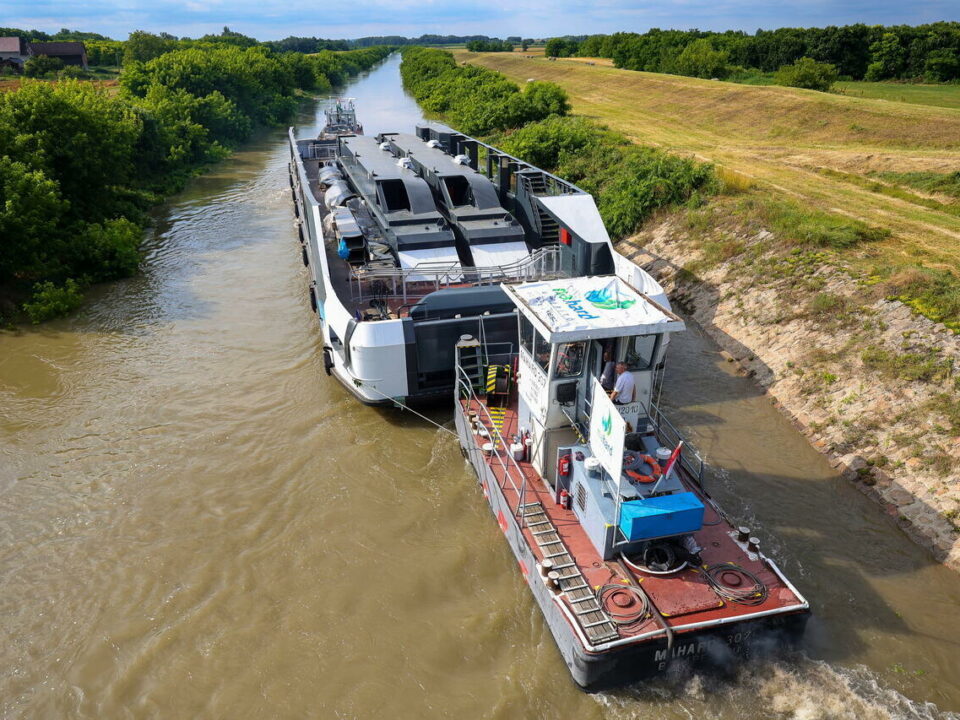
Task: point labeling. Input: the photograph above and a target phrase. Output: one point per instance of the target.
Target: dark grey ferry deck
(487, 234)
(408, 238)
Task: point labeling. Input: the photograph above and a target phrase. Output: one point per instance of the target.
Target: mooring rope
(402, 406)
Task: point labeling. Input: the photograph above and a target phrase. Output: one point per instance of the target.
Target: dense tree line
(489, 46)
(871, 52)
(79, 166)
(64, 35)
(312, 44)
(475, 99)
(629, 181)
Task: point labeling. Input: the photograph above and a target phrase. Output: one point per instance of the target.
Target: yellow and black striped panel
(495, 373)
(497, 414)
(491, 378)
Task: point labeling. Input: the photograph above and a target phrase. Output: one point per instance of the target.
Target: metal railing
(501, 454)
(385, 282)
(669, 436)
(552, 185)
(318, 150)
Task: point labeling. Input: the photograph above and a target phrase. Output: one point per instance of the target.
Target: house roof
(54, 49)
(10, 45)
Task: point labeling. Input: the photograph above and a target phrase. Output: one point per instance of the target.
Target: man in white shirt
(624, 388)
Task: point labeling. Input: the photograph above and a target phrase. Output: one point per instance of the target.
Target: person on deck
(609, 374)
(623, 390)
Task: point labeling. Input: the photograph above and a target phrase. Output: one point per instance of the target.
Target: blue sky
(274, 19)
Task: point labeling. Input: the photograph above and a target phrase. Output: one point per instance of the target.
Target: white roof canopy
(590, 308)
(579, 213)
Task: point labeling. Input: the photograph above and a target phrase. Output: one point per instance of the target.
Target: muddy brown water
(196, 522)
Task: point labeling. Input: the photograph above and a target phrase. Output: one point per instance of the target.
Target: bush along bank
(80, 166)
(628, 181)
(874, 386)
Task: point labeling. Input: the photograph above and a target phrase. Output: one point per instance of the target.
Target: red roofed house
(13, 53)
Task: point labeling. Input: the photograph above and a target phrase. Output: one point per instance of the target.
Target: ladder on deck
(471, 362)
(592, 618)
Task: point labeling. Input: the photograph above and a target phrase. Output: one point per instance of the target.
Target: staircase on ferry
(536, 186)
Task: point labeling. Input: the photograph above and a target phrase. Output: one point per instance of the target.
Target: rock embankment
(873, 385)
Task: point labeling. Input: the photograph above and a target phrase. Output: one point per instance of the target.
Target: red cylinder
(564, 499)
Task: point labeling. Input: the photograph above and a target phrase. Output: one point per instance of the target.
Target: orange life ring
(655, 471)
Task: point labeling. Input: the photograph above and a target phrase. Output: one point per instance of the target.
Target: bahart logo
(607, 424)
(603, 300)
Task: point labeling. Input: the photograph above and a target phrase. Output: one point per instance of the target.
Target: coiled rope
(623, 616)
(735, 592)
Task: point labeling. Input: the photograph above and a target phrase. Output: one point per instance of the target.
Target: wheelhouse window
(526, 335)
(541, 351)
(534, 343)
(640, 351)
(570, 359)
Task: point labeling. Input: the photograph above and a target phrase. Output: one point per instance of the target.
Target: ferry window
(526, 335)
(570, 359)
(541, 351)
(395, 195)
(639, 353)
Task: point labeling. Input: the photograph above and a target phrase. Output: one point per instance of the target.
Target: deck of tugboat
(684, 600)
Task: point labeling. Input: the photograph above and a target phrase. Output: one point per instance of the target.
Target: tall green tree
(142, 46)
(700, 59)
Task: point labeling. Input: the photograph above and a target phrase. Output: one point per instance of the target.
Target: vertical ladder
(470, 358)
(596, 624)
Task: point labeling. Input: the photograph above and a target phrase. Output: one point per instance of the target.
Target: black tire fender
(327, 360)
(303, 254)
(313, 299)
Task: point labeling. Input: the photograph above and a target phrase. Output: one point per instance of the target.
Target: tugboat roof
(590, 308)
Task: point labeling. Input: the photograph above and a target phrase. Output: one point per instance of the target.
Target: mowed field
(941, 95)
(820, 149)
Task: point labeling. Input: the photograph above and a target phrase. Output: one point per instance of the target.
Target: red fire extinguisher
(564, 499)
(563, 466)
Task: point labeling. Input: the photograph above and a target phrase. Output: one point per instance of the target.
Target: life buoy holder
(655, 471)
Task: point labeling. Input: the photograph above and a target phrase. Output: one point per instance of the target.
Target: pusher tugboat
(635, 567)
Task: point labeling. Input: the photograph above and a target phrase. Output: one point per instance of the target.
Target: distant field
(947, 96)
(828, 151)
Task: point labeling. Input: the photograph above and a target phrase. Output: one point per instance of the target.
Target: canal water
(196, 522)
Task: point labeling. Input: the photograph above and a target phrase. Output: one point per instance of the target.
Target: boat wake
(801, 690)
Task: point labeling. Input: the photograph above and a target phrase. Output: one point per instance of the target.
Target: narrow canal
(196, 522)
